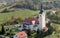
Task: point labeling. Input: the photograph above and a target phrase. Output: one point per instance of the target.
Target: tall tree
(3, 30)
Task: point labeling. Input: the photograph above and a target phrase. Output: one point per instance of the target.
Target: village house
(21, 34)
(53, 12)
(20, 28)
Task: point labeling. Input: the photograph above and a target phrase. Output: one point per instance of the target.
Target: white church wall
(41, 21)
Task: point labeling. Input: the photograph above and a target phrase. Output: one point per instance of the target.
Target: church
(36, 23)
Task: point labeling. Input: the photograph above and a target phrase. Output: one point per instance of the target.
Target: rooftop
(21, 34)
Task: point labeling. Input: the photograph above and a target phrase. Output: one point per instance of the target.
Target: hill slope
(21, 12)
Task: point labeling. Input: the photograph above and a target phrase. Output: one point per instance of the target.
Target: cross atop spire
(41, 9)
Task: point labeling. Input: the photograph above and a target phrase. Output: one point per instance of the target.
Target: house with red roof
(20, 35)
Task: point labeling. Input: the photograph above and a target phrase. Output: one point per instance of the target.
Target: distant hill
(34, 4)
(8, 1)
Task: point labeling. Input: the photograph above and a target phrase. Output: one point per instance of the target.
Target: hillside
(32, 0)
(21, 12)
(33, 4)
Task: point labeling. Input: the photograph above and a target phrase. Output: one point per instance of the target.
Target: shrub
(19, 19)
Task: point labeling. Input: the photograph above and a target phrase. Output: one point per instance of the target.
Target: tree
(3, 30)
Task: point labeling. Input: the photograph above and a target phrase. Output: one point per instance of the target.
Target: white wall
(41, 21)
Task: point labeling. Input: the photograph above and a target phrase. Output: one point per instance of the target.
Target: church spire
(41, 9)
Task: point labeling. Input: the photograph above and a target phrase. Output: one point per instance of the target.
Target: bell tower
(41, 19)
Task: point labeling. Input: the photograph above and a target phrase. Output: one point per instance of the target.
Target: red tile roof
(45, 29)
(36, 21)
(28, 20)
(21, 34)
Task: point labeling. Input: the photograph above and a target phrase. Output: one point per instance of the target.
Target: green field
(21, 12)
(24, 13)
